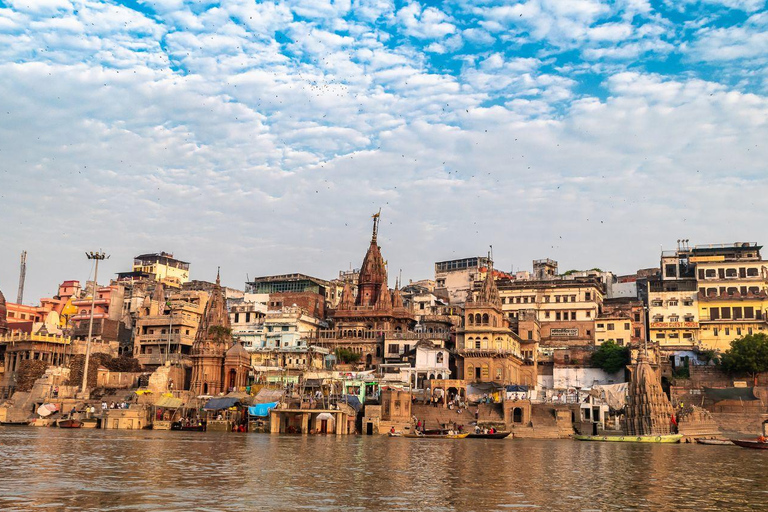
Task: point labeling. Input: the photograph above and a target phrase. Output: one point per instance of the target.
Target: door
(324, 426)
(369, 428)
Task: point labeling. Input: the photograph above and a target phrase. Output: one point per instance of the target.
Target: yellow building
(732, 297)
(613, 327)
(163, 267)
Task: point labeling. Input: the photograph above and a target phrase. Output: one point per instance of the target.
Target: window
(670, 270)
(589, 314)
(477, 343)
(656, 303)
(573, 298)
(714, 313)
(546, 314)
(626, 326)
(637, 317)
(557, 298)
(749, 312)
(715, 331)
(573, 315)
(711, 273)
(738, 331)
(637, 332)
(688, 335)
(600, 326)
(672, 302)
(674, 335)
(557, 315)
(727, 331)
(737, 315)
(725, 312)
(731, 272)
(660, 336)
(530, 335)
(620, 341)
(393, 349)
(687, 302)
(587, 295)
(752, 272)
(610, 327)
(674, 318)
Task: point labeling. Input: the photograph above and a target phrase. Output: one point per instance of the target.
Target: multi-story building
(626, 309)
(457, 277)
(566, 309)
(166, 327)
(285, 341)
(732, 283)
(488, 348)
(285, 290)
(247, 319)
(162, 267)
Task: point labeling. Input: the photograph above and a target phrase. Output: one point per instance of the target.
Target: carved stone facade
(213, 339)
(361, 322)
(237, 363)
(648, 409)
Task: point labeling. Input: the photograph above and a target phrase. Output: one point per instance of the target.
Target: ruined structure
(648, 409)
(361, 323)
(213, 339)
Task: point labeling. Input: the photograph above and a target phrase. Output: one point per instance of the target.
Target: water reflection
(52, 469)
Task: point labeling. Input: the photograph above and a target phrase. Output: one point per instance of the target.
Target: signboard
(705, 259)
(674, 325)
(564, 331)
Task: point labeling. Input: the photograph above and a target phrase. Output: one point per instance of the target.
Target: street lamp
(97, 256)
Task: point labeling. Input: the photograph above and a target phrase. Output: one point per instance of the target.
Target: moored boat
(187, 428)
(495, 435)
(436, 436)
(672, 438)
(714, 442)
(757, 444)
(69, 423)
(24, 423)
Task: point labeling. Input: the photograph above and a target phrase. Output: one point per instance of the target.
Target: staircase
(435, 417)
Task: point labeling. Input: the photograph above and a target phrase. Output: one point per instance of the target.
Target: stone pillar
(340, 423)
(305, 422)
(274, 422)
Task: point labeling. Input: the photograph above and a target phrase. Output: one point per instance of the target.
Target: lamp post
(97, 256)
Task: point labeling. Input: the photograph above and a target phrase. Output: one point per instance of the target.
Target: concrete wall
(565, 377)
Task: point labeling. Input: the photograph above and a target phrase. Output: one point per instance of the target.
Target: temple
(648, 409)
(362, 322)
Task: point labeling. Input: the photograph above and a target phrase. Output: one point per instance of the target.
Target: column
(305, 422)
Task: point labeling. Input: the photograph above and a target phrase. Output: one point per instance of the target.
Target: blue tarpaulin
(514, 388)
(261, 409)
(215, 404)
(353, 401)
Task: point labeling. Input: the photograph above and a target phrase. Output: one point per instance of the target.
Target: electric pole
(98, 256)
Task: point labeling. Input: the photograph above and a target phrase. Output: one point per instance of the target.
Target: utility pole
(22, 277)
(98, 256)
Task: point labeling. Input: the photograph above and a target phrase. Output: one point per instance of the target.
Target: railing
(45, 338)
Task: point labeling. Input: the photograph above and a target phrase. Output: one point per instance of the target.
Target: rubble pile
(29, 371)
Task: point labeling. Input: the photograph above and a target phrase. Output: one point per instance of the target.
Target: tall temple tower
(3, 315)
(373, 272)
(213, 339)
(648, 409)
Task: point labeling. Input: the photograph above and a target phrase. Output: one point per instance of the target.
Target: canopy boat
(436, 436)
(757, 444)
(714, 442)
(495, 435)
(69, 423)
(672, 438)
(178, 425)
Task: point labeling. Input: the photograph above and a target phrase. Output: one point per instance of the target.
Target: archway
(232, 378)
(368, 360)
(517, 415)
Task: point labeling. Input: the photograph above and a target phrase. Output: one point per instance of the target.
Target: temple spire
(375, 226)
(218, 276)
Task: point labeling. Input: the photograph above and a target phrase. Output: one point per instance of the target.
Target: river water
(53, 469)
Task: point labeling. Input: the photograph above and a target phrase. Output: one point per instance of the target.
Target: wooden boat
(495, 435)
(69, 423)
(24, 423)
(395, 434)
(90, 423)
(673, 438)
(187, 428)
(436, 436)
(751, 443)
(714, 442)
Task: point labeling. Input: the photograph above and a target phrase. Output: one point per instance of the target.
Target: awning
(261, 410)
(169, 402)
(265, 396)
(216, 404)
(516, 388)
(47, 409)
(730, 394)
(353, 401)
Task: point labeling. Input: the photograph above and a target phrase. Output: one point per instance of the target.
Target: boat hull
(70, 424)
(675, 438)
(715, 442)
(751, 443)
(495, 435)
(436, 436)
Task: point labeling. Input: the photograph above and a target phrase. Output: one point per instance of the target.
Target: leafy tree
(346, 356)
(748, 354)
(610, 357)
(220, 334)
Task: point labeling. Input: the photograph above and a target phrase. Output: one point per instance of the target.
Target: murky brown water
(52, 469)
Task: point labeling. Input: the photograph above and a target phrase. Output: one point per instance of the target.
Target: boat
(69, 423)
(188, 428)
(757, 444)
(673, 438)
(24, 423)
(395, 434)
(714, 442)
(90, 423)
(495, 435)
(436, 436)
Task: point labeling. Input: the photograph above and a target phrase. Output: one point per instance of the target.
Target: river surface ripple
(52, 469)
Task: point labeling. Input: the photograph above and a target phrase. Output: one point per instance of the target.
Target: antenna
(22, 277)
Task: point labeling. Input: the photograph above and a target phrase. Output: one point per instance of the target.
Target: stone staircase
(435, 417)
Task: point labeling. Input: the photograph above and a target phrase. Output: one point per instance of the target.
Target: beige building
(673, 313)
(565, 309)
(161, 267)
(457, 277)
(613, 327)
(166, 327)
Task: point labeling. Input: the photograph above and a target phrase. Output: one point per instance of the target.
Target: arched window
(494, 321)
(477, 343)
(485, 318)
(478, 319)
(485, 343)
(470, 372)
(471, 319)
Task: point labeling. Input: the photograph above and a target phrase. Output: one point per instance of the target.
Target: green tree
(220, 334)
(747, 355)
(346, 356)
(610, 357)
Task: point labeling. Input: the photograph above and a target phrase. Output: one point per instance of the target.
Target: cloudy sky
(261, 136)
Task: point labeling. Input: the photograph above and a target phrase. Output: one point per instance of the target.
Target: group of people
(114, 405)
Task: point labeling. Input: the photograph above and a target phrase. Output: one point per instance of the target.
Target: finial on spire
(376, 225)
(218, 276)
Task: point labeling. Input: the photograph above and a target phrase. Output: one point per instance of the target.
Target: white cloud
(424, 23)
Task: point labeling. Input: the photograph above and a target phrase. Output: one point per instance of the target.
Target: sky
(261, 136)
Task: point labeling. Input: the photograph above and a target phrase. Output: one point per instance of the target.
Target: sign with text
(705, 259)
(674, 325)
(564, 331)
